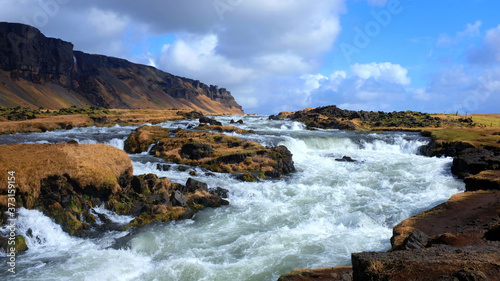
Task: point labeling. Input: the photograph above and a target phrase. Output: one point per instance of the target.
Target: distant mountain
(36, 71)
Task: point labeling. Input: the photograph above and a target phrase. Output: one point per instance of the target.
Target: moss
(20, 244)
(248, 177)
(173, 213)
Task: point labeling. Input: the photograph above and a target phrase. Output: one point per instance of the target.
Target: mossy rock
(140, 140)
(21, 244)
(248, 177)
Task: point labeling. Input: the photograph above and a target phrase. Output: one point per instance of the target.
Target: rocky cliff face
(39, 71)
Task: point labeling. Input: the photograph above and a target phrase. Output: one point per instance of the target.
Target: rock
(138, 185)
(247, 177)
(219, 191)
(440, 149)
(193, 173)
(206, 120)
(416, 240)
(82, 176)
(196, 151)
(493, 233)
(341, 273)
(20, 244)
(461, 221)
(345, 159)
(221, 153)
(143, 137)
(430, 263)
(475, 160)
(159, 209)
(191, 115)
(485, 180)
(284, 163)
(182, 168)
(163, 167)
(178, 199)
(193, 185)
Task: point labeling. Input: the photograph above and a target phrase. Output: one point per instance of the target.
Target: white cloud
(386, 72)
(421, 95)
(106, 22)
(195, 57)
(471, 30)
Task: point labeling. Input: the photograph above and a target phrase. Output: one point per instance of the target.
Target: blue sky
(278, 55)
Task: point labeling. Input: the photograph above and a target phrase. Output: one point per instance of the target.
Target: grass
(477, 136)
(23, 120)
(91, 165)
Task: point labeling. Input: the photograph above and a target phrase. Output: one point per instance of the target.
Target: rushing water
(311, 219)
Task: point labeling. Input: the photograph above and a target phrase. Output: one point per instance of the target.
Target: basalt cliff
(36, 71)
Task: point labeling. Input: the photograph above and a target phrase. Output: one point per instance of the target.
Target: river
(313, 218)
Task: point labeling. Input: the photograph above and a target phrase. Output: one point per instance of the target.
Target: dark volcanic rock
(284, 163)
(219, 191)
(163, 167)
(195, 151)
(472, 161)
(416, 240)
(441, 263)
(206, 120)
(193, 185)
(345, 159)
(448, 149)
(178, 199)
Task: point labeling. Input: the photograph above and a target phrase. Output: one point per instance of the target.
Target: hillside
(36, 71)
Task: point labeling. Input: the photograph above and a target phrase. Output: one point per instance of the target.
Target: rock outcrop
(213, 151)
(36, 71)
(66, 181)
(332, 117)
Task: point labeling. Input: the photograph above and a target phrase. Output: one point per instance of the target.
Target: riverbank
(458, 239)
(23, 120)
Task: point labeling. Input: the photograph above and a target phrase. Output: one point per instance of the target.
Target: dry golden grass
(96, 165)
(119, 116)
(45, 123)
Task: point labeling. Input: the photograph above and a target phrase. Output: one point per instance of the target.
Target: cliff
(36, 71)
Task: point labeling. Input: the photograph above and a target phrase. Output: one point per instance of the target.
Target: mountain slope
(36, 71)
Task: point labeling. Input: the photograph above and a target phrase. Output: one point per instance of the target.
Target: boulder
(196, 151)
(485, 180)
(206, 120)
(475, 160)
(219, 191)
(163, 167)
(178, 199)
(143, 137)
(345, 159)
(193, 185)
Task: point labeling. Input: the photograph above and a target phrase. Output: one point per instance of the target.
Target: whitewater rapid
(313, 218)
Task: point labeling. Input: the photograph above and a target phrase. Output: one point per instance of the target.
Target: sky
(288, 55)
